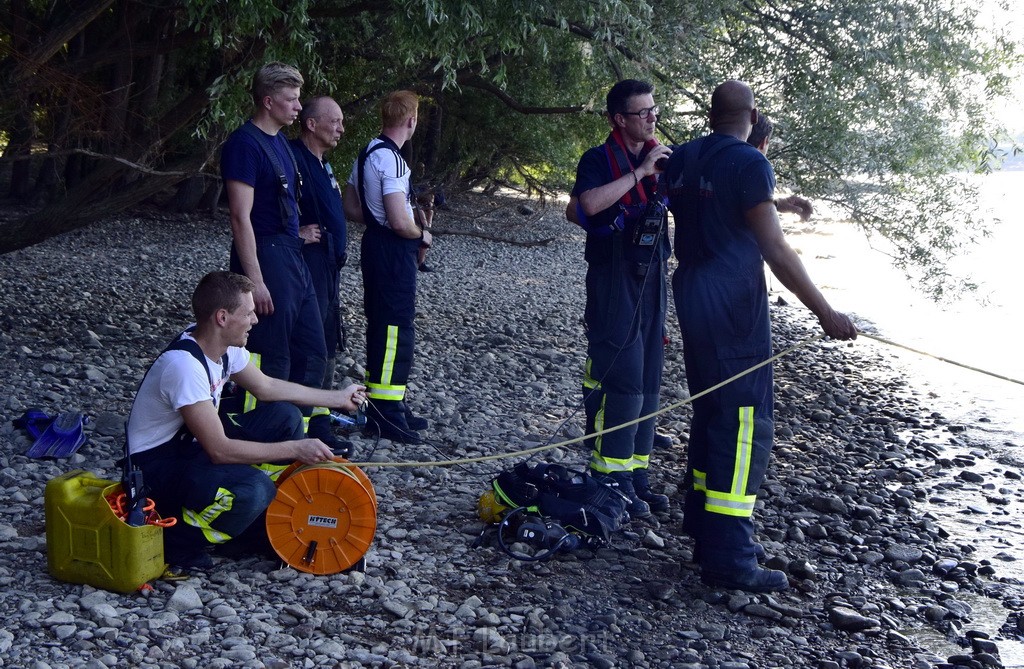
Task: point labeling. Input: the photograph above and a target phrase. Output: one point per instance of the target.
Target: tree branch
(55, 38)
(474, 80)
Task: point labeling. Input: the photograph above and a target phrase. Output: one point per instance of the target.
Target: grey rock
(652, 540)
(910, 577)
(184, 598)
(829, 504)
(908, 554)
(848, 620)
(971, 477)
(397, 609)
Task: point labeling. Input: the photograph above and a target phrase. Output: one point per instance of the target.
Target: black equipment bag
(576, 501)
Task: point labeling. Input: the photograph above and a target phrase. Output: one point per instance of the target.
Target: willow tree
(102, 99)
(878, 104)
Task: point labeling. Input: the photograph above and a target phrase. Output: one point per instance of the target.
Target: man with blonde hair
(262, 180)
(379, 195)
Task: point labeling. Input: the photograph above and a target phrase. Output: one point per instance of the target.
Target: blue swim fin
(61, 438)
(34, 421)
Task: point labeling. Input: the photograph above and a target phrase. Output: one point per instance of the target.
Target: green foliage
(232, 29)
(878, 104)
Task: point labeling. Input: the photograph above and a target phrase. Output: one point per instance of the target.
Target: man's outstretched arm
(789, 269)
(203, 422)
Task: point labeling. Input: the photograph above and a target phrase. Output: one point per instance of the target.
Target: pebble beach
(863, 460)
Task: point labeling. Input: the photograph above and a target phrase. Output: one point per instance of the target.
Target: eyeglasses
(643, 113)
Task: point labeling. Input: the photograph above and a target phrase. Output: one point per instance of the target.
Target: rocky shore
(861, 457)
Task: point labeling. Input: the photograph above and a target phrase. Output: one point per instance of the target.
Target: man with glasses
(727, 227)
(618, 204)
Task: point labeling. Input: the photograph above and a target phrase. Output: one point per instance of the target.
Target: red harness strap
(620, 163)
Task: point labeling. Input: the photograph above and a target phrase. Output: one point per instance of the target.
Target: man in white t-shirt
(378, 195)
(213, 475)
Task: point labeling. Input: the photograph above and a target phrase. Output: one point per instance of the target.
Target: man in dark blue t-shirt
(727, 227)
(262, 185)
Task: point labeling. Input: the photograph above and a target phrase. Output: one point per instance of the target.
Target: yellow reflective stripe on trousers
(377, 391)
(744, 441)
(700, 480)
(202, 519)
(385, 390)
(387, 370)
(729, 505)
(597, 462)
(272, 470)
(736, 502)
(589, 382)
(608, 465)
(641, 461)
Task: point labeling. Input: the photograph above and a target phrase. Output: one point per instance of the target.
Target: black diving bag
(577, 502)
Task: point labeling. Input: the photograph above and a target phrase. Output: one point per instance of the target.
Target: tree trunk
(211, 198)
(20, 147)
(189, 193)
(100, 194)
(46, 181)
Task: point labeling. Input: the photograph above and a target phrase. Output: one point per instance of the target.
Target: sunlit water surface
(982, 331)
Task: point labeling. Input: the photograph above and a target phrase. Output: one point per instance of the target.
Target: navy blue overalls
(288, 344)
(321, 205)
(625, 313)
(722, 303)
(389, 266)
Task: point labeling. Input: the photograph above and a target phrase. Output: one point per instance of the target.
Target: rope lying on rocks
(670, 407)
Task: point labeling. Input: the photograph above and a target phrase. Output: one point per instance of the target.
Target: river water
(981, 331)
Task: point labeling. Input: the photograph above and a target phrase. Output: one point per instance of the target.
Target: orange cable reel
(324, 516)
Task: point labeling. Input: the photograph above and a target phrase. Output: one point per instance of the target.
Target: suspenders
(265, 143)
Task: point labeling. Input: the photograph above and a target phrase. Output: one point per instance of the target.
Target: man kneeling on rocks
(211, 473)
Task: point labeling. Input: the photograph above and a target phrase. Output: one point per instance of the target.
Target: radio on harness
(648, 228)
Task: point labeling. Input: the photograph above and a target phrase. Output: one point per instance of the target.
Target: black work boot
(623, 482)
(642, 485)
(757, 579)
(412, 420)
(386, 418)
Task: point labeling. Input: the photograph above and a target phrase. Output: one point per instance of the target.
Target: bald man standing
(721, 196)
(323, 229)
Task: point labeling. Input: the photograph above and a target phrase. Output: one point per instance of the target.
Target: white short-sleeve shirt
(385, 172)
(176, 380)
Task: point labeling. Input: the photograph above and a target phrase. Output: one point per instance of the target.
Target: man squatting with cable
(727, 227)
(212, 473)
(617, 202)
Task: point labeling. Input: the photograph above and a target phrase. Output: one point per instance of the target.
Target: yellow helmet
(489, 508)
